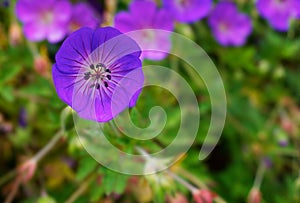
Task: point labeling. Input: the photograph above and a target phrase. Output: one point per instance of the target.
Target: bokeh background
(256, 51)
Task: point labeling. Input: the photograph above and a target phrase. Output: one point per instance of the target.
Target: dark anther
(108, 77)
(107, 70)
(92, 66)
(87, 75)
(100, 65)
(105, 84)
(97, 86)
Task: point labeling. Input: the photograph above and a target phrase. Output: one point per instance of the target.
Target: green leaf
(9, 72)
(7, 93)
(21, 137)
(96, 191)
(86, 166)
(114, 182)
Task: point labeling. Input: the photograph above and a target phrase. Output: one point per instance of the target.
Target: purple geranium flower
(46, 19)
(145, 16)
(187, 11)
(83, 15)
(98, 72)
(229, 26)
(279, 12)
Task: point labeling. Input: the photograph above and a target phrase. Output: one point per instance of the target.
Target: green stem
(7, 177)
(182, 181)
(259, 175)
(48, 147)
(81, 189)
(191, 178)
(115, 128)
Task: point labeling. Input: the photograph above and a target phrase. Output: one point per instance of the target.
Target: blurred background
(254, 44)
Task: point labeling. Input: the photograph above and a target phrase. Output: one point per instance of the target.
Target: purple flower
(187, 11)
(98, 73)
(46, 19)
(23, 118)
(145, 16)
(279, 12)
(267, 161)
(82, 16)
(5, 3)
(229, 26)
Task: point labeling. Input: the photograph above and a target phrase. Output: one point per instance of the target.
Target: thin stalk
(7, 177)
(81, 189)
(259, 175)
(182, 181)
(48, 147)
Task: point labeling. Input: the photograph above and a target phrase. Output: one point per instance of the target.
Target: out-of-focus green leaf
(114, 182)
(86, 165)
(46, 199)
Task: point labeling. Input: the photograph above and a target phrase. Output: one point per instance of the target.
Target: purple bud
(267, 162)
(23, 118)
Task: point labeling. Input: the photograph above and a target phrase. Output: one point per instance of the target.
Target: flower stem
(13, 192)
(182, 181)
(115, 128)
(191, 178)
(48, 147)
(259, 175)
(7, 177)
(33, 49)
(81, 189)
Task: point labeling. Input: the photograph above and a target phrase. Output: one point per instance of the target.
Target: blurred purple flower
(83, 15)
(23, 117)
(98, 6)
(46, 19)
(188, 11)
(267, 161)
(279, 13)
(283, 143)
(98, 72)
(145, 15)
(5, 3)
(229, 26)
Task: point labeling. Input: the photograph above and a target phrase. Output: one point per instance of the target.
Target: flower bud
(178, 198)
(42, 65)
(204, 196)
(287, 125)
(27, 170)
(254, 196)
(15, 34)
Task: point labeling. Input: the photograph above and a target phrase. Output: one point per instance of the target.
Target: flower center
(224, 27)
(184, 3)
(148, 36)
(74, 26)
(99, 74)
(47, 17)
(281, 4)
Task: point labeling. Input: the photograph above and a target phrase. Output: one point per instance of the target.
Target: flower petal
(56, 33)
(143, 11)
(63, 84)
(62, 11)
(127, 71)
(25, 11)
(74, 52)
(34, 31)
(188, 11)
(125, 22)
(109, 45)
